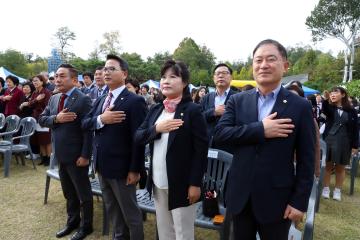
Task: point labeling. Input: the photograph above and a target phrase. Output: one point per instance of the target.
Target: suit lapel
(212, 99)
(281, 102)
(179, 114)
(100, 104)
(121, 98)
(253, 105)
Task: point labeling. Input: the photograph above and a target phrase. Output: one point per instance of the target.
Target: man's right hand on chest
(275, 128)
(64, 116)
(111, 117)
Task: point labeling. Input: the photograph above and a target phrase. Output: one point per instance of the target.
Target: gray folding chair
(2, 121)
(12, 127)
(8, 147)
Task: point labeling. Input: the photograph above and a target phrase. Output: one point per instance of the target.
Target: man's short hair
(145, 86)
(123, 64)
(280, 48)
(99, 68)
(223, 65)
(72, 70)
(89, 74)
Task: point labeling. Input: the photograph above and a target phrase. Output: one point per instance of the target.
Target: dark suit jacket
(93, 93)
(71, 141)
(263, 169)
(351, 126)
(207, 104)
(115, 153)
(186, 155)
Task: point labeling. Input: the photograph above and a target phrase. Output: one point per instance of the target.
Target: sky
(229, 28)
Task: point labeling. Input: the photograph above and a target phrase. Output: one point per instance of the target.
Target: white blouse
(159, 171)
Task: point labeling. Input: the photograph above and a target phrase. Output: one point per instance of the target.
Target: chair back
(27, 126)
(323, 150)
(218, 166)
(12, 126)
(2, 120)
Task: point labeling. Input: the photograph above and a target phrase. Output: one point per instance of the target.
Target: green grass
(24, 216)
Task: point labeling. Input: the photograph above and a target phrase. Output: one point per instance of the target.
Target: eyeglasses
(223, 73)
(110, 69)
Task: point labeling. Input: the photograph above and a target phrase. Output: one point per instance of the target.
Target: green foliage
(333, 18)
(14, 61)
(353, 88)
(86, 65)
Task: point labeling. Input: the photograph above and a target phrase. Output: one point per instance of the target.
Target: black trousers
(77, 192)
(246, 226)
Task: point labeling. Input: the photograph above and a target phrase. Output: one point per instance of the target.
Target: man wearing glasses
(118, 160)
(213, 104)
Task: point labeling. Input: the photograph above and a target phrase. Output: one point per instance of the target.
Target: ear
(286, 66)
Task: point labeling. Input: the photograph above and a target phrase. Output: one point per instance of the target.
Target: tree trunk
(345, 67)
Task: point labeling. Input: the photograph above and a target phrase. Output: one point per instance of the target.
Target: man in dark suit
(267, 126)
(117, 159)
(88, 82)
(63, 115)
(213, 104)
(100, 88)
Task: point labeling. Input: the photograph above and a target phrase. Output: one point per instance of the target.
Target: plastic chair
(12, 127)
(27, 126)
(2, 121)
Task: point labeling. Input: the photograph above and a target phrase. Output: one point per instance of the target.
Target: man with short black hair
(88, 82)
(267, 127)
(213, 104)
(100, 86)
(114, 118)
(73, 146)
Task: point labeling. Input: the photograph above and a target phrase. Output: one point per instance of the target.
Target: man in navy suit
(267, 127)
(118, 160)
(213, 104)
(100, 88)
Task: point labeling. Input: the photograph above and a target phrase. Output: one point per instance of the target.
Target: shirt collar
(225, 93)
(116, 92)
(274, 93)
(68, 93)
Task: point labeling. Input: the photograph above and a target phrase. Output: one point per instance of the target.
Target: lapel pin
(182, 114)
(122, 98)
(284, 101)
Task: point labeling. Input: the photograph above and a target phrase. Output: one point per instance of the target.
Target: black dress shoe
(65, 231)
(81, 234)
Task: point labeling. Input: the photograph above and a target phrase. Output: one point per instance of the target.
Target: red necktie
(62, 101)
(107, 101)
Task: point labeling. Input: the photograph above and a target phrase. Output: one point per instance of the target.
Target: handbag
(210, 204)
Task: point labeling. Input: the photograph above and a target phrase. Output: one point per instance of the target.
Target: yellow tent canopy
(242, 83)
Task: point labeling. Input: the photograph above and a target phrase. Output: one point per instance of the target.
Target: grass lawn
(24, 216)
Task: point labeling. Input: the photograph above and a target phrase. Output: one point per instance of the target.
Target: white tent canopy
(4, 73)
(151, 84)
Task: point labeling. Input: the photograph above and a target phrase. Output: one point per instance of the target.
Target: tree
(338, 19)
(111, 44)
(63, 37)
(15, 62)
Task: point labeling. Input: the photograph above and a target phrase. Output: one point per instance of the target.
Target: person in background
(145, 93)
(38, 102)
(132, 85)
(12, 96)
(100, 87)
(157, 96)
(199, 94)
(2, 92)
(341, 135)
(48, 85)
(88, 82)
(176, 132)
(213, 104)
(25, 110)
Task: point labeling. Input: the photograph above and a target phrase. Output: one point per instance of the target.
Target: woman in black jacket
(176, 132)
(341, 136)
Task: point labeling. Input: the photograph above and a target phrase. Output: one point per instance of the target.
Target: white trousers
(177, 224)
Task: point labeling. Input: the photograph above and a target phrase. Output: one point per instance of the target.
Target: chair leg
(7, 159)
(47, 186)
(354, 167)
(22, 157)
(32, 158)
(105, 220)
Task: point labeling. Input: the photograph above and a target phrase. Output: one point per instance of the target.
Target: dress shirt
(266, 102)
(220, 99)
(116, 92)
(159, 157)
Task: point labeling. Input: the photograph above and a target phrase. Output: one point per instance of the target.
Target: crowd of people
(272, 131)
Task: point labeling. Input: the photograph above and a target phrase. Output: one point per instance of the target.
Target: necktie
(100, 92)
(107, 101)
(62, 101)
